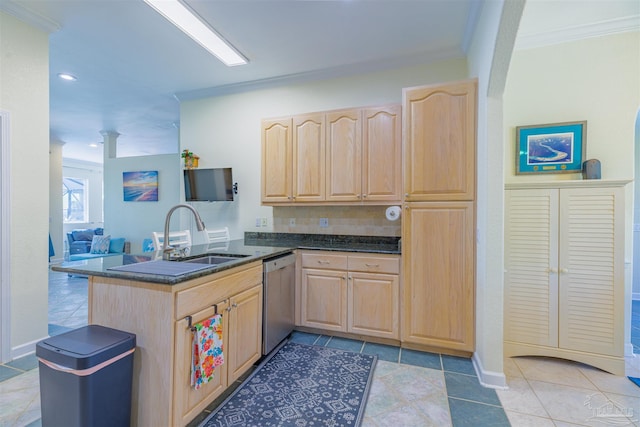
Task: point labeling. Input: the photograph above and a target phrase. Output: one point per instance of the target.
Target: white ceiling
(133, 66)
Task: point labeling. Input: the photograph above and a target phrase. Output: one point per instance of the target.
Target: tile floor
(409, 388)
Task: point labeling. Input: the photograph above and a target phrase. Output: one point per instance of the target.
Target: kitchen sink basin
(214, 259)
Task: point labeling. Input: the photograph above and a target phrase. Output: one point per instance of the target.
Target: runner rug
(300, 385)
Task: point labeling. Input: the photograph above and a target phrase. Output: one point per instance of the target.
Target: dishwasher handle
(279, 263)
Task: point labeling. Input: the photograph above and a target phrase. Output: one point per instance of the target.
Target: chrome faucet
(166, 249)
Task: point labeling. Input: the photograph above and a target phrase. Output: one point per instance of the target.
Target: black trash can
(86, 377)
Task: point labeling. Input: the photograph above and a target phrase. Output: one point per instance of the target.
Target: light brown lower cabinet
(438, 256)
(159, 316)
(242, 344)
(349, 293)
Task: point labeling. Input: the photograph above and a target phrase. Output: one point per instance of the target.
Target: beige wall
(55, 201)
(225, 132)
(596, 80)
(24, 93)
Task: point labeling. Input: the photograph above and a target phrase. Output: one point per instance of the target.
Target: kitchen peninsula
(161, 308)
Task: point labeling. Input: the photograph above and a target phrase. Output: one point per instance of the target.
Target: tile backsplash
(343, 220)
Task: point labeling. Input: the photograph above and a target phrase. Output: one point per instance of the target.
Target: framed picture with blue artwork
(551, 148)
(140, 186)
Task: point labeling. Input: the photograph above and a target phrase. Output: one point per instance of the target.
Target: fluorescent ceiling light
(69, 77)
(183, 18)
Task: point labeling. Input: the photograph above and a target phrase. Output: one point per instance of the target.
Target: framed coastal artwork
(551, 148)
(140, 186)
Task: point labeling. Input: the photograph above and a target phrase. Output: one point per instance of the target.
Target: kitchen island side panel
(146, 311)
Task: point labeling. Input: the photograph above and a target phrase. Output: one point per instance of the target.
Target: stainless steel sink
(215, 259)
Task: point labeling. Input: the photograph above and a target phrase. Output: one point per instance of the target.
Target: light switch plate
(324, 222)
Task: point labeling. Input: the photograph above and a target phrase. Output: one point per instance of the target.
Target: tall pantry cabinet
(564, 281)
(438, 229)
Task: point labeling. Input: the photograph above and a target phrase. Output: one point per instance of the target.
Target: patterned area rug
(298, 386)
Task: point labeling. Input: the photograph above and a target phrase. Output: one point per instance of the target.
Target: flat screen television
(208, 185)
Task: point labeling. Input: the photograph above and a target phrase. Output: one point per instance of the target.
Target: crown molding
(597, 29)
(30, 17)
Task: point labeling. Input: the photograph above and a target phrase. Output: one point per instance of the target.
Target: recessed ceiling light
(183, 18)
(93, 145)
(68, 77)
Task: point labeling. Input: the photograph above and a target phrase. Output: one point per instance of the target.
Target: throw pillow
(100, 244)
(116, 245)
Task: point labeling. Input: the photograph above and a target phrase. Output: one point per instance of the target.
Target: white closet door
(592, 270)
(531, 257)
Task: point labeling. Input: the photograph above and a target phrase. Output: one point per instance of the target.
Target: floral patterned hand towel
(207, 350)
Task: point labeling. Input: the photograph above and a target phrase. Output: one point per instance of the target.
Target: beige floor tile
(406, 416)
(556, 371)
(20, 399)
(628, 405)
(511, 370)
(610, 383)
(381, 399)
(412, 382)
(523, 420)
(571, 404)
(521, 398)
(435, 409)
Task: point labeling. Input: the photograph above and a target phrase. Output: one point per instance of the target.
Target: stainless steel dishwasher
(279, 291)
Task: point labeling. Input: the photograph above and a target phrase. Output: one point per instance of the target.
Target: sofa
(82, 240)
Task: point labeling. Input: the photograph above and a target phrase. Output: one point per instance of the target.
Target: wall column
(110, 141)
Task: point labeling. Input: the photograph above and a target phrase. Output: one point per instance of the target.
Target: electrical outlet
(324, 222)
(263, 222)
(292, 222)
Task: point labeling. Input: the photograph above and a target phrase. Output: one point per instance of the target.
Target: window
(74, 200)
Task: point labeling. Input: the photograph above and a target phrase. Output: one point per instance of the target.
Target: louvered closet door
(531, 257)
(591, 270)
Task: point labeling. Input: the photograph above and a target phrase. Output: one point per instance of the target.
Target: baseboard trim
(628, 350)
(25, 349)
(489, 379)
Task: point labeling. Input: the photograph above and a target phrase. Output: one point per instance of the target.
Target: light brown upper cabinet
(364, 155)
(309, 158)
(277, 161)
(439, 155)
(338, 157)
(293, 159)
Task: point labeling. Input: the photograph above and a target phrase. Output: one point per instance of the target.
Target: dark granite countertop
(327, 242)
(254, 247)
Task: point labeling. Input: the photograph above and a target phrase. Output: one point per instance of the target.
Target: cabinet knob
(234, 305)
(564, 270)
(552, 270)
(364, 195)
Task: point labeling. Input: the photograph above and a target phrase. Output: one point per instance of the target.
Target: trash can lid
(85, 347)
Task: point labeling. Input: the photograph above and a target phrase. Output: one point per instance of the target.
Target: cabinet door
(324, 299)
(373, 305)
(344, 155)
(308, 158)
(382, 154)
(591, 311)
(531, 263)
(440, 142)
(189, 402)
(438, 282)
(245, 331)
(277, 161)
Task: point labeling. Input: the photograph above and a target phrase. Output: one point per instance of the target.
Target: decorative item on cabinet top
(551, 148)
(190, 159)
